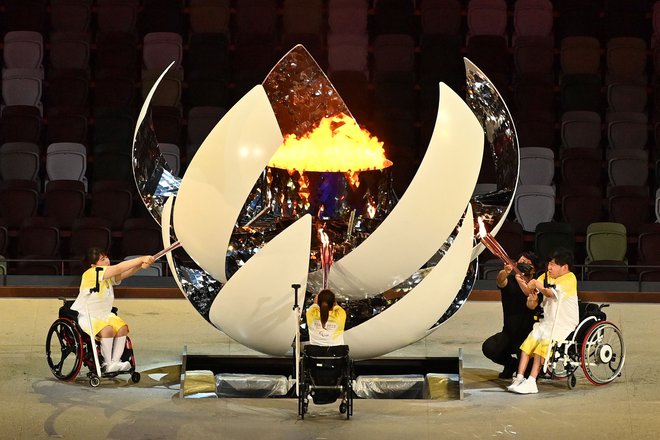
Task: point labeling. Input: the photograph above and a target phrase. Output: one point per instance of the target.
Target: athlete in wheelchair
(596, 345)
(327, 369)
(68, 344)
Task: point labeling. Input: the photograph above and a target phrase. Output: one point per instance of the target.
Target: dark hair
(531, 256)
(562, 256)
(326, 301)
(92, 256)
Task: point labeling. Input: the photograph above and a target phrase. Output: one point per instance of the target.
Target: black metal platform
(285, 366)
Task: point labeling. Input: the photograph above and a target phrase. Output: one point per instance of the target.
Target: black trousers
(499, 348)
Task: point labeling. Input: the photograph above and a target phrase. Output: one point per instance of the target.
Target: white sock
(106, 350)
(531, 379)
(118, 348)
(519, 376)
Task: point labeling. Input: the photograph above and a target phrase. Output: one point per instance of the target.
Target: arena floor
(34, 405)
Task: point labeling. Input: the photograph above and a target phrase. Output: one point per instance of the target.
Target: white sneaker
(527, 387)
(112, 367)
(124, 366)
(118, 367)
(516, 381)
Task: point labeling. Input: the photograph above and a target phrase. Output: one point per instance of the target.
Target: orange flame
(482, 228)
(337, 144)
(353, 178)
(371, 209)
(325, 240)
(304, 191)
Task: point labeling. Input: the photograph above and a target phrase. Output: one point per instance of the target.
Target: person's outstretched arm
(125, 269)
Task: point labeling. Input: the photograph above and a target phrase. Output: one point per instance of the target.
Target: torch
(493, 246)
(325, 253)
(170, 248)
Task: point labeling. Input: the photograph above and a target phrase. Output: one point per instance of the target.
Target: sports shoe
(516, 381)
(526, 387)
(112, 367)
(124, 366)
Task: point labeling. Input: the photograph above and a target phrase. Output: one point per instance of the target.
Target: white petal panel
(428, 211)
(255, 307)
(147, 100)
(409, 319)
(220, 177)
(165, 234)
(502, 120)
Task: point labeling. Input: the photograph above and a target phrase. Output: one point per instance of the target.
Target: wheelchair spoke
(61, 343)
(603, 353)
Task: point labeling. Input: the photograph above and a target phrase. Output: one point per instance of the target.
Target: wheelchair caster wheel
(94, 381)
(135, 377)
(343, 408)
(572, 381)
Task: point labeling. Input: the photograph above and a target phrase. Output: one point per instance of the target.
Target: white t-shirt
(98, 304)
(563, 309)
(333, 333)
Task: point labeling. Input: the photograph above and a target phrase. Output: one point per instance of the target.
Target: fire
(482, 228)
(304, 191)
(371, 208)
(337, 144)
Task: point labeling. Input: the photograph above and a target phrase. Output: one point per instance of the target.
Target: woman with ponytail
(325, 320)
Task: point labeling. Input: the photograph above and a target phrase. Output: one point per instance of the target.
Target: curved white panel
(255, 307)
(147, 100)
(478, 248)
(411, 317)
(165, 234)
(221, 175)
(428, 211)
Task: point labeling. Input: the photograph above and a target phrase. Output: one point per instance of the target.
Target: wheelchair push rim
(603, 353)
(64, 349)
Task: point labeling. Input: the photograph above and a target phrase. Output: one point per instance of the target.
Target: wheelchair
(69, 348)
(596, 345)
(326, 375)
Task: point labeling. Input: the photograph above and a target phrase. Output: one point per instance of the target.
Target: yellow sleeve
(568, 284)
(313, 313)
(541, 279)
(340, 316)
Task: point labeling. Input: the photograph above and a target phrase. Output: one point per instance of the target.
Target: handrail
(63, 265)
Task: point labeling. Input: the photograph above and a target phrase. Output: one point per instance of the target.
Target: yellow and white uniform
(561, 312)
(97, 304)
(333, 333)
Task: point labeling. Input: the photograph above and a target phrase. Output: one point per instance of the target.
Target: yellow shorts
(111, 320)
(532, 346)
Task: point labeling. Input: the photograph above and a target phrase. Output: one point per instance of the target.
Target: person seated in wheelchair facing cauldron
(558, 286)
(325, 320)
(94, 303)
(325, 323)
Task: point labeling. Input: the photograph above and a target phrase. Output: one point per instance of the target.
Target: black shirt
(518, 319)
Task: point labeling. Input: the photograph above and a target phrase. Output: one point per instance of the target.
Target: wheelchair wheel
(64, 349)
(94, 381)
(603, 353)
(303, 403)
(135, 377)
(571, 381)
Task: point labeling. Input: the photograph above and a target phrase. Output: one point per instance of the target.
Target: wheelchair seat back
(587, 309)
(327, 368)
(67, 312)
